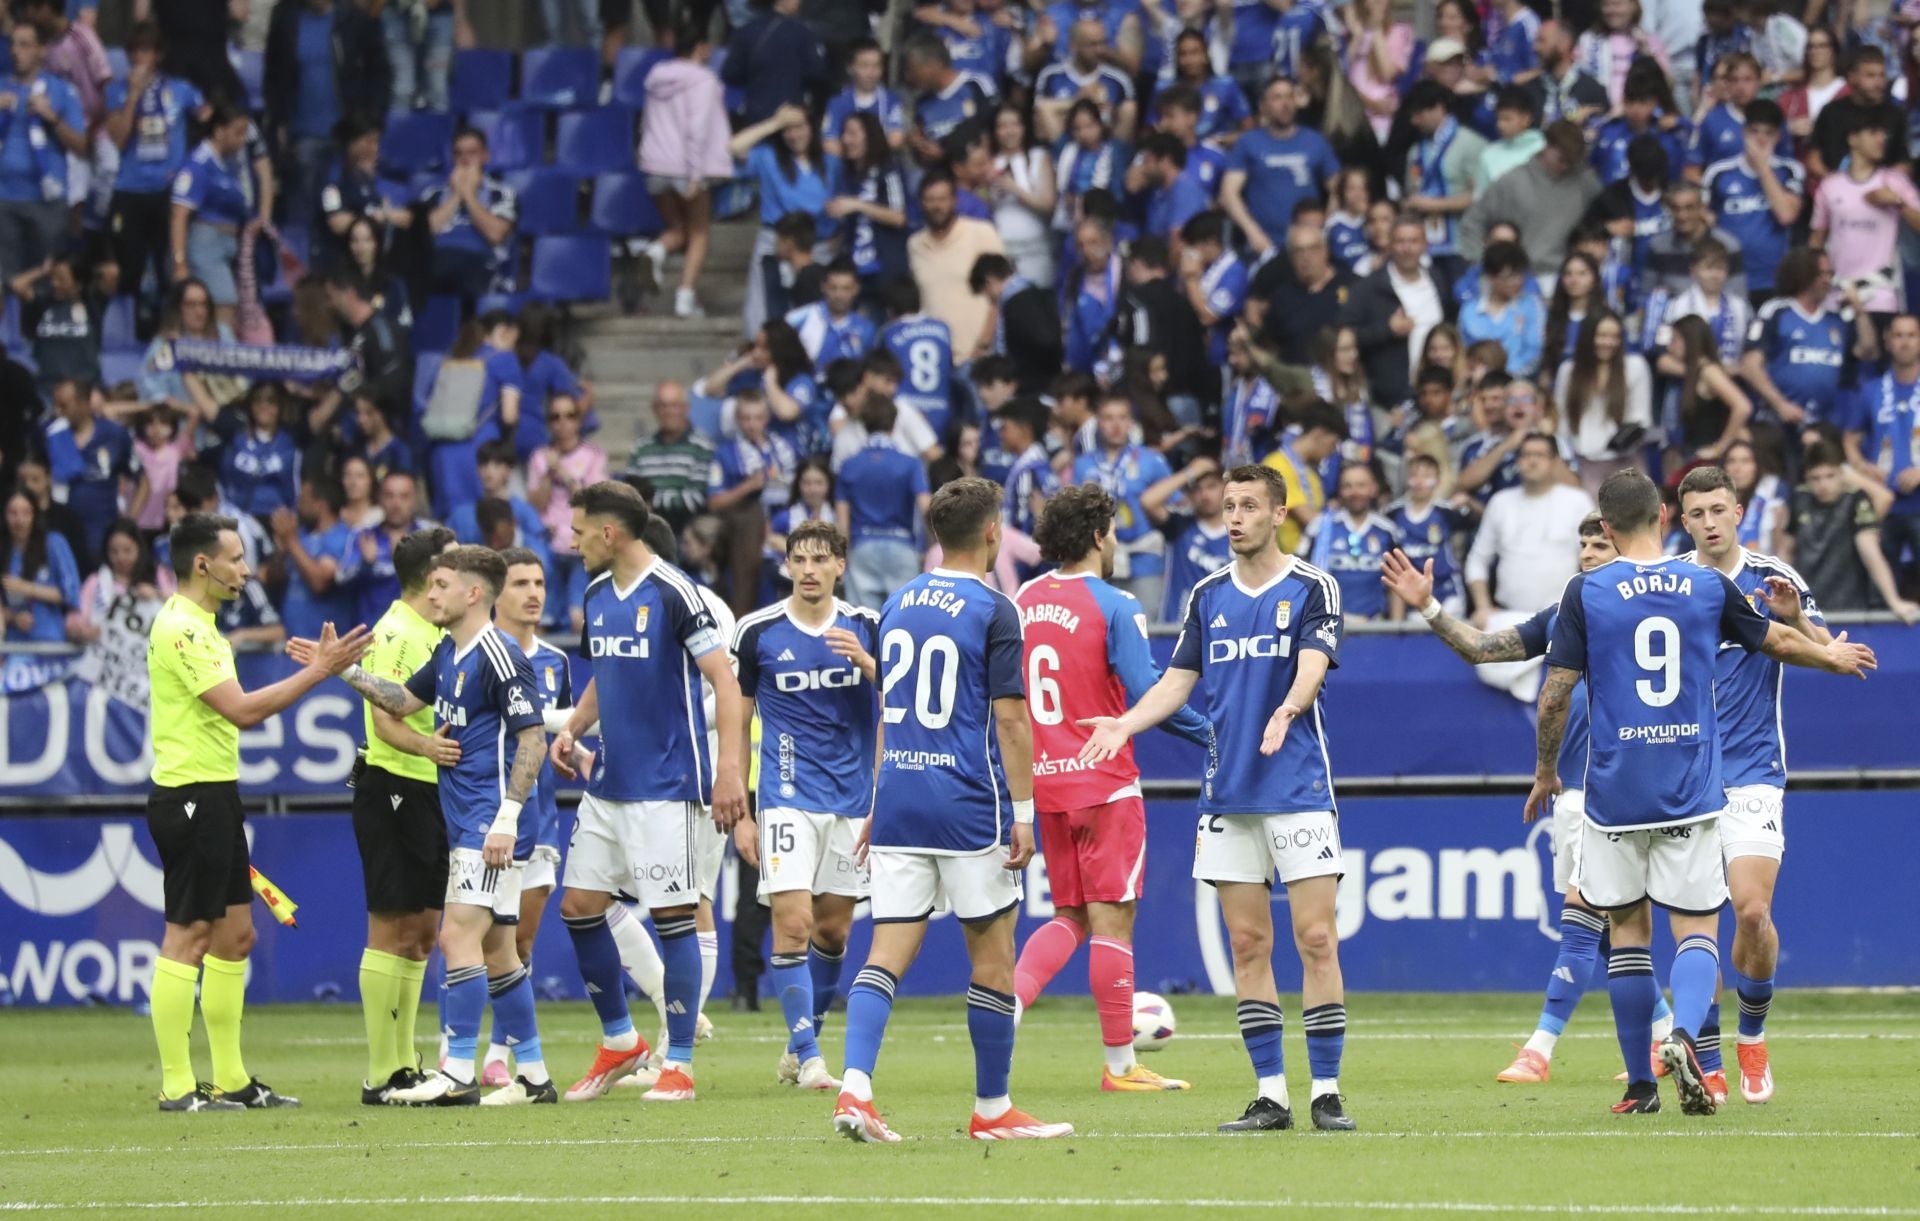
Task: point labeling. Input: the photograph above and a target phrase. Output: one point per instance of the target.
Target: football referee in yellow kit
(197, 711)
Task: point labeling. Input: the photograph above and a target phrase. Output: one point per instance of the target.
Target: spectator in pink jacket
(683, 150)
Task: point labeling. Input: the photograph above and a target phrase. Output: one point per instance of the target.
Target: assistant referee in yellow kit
(194, 814)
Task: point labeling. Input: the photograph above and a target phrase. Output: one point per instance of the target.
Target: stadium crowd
(1445, 283)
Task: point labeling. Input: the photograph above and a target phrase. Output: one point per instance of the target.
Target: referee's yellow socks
(413, 978)
(223, 994)
(171, 995)
(382, 978)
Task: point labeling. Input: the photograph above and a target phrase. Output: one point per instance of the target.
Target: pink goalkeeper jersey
(1861, 237)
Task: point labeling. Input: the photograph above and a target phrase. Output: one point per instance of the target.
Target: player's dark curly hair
(611, 498)
(413, 556)
(825, 533)
(1073, 522)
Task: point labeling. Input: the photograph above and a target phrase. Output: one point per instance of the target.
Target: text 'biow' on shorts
(642, 848)
(1754, 822)
(1263, 847)
(471, 882)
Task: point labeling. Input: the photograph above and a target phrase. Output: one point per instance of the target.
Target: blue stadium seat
(560, 78)
(419, 142)
(117, 367)
(482, 80)
(572, 268)
(436, 325)
(117, 63)
(516, 136)
(596, 141)
(548, 199)
(630, 74)
(252, 69)
(623, 208)
(116, 327)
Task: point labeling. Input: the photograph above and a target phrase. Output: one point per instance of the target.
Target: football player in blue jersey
(1753, 760)
(952, 820)
(517, 613)
(1644, 631)
(806, 663)
(650, 639)
(482, 691)
(1582, 928)
(1264, 631)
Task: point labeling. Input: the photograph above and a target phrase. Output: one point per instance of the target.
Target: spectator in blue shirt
(90, 458)
(37, 569)
(1274, 167)
(260, 466)
(1214, 278)
(976, 41)
(870, 196)
(1506, 310)
(368, 570)
(40, 123)
(1060, 85)
(496, 466)
(1176, 194)
(775, 60)
(1030, 478)
(1090, 160)
(382, 450)
(147, 117)
(315, 542)
(472, 217)
(355, 191)
(1643, 111)
(882, 496)
(1092, 296)
(212, 201)
(1758, 196)
(781, 155)
(1223, 108)
(830, 329)
(323, 58)
(752, 477)
(946, 96)
(866, 93)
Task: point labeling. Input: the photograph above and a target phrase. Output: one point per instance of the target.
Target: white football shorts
(642, 848)
(1677, 867)
(1263, 847)
(543, 868)
(1754, 822)
(1569, 815)
(800, 850)
(709, 852)
(911, 886)
(472, 884)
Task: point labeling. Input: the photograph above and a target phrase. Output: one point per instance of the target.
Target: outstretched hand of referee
(331, 653)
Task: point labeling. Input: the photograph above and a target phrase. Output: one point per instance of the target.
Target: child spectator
(1520, 138)
(864, 94)
(1833, 537)
(1428, 528)
(159, 448)
(1352, 196)
(882, 496)
(61, 318)
(260, 465)
(1030, 480)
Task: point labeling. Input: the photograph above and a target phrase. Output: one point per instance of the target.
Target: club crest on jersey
(1433, 534)
(1283, 615)
(459, 683)
(640, 619)
(550, 683)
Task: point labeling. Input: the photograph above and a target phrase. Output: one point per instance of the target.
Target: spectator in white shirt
(1604, 397)
(1529, 538)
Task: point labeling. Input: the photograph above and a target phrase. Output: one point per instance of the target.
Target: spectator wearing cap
(1274, 167)
(1392, 311)
(472, 216)
(1563, 90)
(1667, 266)
(775, 60)
(942, 255)
(43, 123)
(1544, 199)
(1440, 170)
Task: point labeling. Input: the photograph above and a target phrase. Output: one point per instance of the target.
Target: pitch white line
(519, 1142)
(1188, 1202)
(1402, 1036)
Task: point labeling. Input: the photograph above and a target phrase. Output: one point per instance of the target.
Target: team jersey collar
(1287, 565)
(624, 594)
(953, 574)
(460, 652)
(786, 608)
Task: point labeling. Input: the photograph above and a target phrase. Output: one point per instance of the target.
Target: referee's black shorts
(200, 830)
(402, 840)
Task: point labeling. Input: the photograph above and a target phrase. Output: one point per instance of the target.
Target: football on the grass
(1152, 1021)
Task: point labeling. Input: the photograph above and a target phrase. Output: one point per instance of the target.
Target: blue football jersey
(641, 643)
(1753, 747)
(924, 348)
(1246, 646)
(1807, 355)
(949, 646)
(553, 678)
(1572, 764)
(1353, 553)
(816, 710)
(485, 695)
(1125, 477)
(1735, 197)
(1646, 634)
(1430, 537)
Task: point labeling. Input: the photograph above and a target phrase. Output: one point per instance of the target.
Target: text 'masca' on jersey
(1246, 645)
(1746, 693)
(949, 647)
(816, 710)
(1086, 656)
(642, 642)
(1646, 634)
(485, 695)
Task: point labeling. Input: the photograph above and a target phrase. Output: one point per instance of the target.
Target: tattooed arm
(1556, 696)
(531, 752)
(383, 693)
(1414, 588)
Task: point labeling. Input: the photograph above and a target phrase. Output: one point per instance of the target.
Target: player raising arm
(952, 821)
(482, 691)
(195, 716)
(1581, 927)
(806, 663)
(650, 639)
(1086, 650)
(1264, 631)
(1644, 631)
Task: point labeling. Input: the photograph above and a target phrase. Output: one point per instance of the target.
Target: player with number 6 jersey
(1644, 630)
(1086, 656)
(952, 821)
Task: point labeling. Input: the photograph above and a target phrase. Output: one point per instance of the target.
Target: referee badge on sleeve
(1283, 615)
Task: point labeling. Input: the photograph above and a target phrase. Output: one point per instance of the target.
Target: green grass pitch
(79, 1133)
